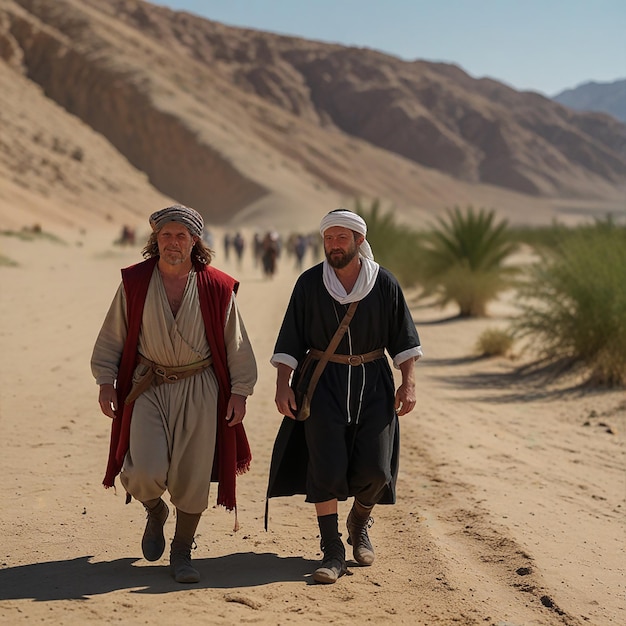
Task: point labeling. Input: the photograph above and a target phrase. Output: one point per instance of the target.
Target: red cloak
(232, 451)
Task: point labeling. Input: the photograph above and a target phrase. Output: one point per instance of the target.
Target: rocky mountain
(120, 104)
(607, 98)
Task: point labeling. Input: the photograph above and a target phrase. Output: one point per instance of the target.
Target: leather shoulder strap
(332, 346)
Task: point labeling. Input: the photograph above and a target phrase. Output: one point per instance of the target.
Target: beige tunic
(173, 427)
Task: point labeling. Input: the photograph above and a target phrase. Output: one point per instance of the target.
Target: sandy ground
(511, 495)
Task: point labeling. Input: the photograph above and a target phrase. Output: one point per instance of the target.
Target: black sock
(329, 528)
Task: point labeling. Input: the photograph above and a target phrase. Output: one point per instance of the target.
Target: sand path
(511, 493)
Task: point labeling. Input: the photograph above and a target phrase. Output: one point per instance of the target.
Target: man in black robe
(349, 445)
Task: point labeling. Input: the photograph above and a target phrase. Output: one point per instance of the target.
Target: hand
(107, 398)
(236, 410)
(405, 398)
(286, 401)
(285, 398)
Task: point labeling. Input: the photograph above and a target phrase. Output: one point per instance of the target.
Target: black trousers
(352, 436)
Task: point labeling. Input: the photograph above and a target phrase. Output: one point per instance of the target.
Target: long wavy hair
(200, 253)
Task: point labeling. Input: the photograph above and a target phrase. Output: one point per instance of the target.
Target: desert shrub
(32, 234)
(573, 305)
(464, 260)
(494, 342)
(539, 237)
(396, 247)
(5, 261)
(542, 237)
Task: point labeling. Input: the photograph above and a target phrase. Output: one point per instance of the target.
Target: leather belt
(173, 373)
(350, 359)
(163, 374)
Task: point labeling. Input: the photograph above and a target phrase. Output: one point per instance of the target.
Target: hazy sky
(539, 45)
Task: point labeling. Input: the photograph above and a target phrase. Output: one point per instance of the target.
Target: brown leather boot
(153, 540)
(180, 551)
(358, 522)
(333, 564)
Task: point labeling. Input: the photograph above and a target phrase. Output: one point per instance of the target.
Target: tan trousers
(172, 448)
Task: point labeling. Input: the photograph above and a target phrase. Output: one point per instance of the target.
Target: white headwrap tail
(369, 268)
(348, 219)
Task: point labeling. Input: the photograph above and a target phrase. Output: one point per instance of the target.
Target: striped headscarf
(189, 218)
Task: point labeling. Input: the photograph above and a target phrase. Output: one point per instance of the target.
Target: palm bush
(464, 260)
(395, 247)
(574, 302)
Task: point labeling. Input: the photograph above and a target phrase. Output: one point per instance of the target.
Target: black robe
(382, 320)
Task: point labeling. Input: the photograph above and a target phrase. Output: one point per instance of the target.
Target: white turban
(348, 219)
(189, 218)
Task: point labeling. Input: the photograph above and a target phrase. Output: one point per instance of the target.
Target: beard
(338, 259)
(174, 257)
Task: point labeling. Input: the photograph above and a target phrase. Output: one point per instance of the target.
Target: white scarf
(364, 283)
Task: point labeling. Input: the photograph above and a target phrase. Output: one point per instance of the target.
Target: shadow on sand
(534, 381)
(78, 579)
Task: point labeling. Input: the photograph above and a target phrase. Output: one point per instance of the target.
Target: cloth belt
(163, 374)
(350, 359)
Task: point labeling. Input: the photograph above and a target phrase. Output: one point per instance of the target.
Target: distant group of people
(175, 367)
(268, 247)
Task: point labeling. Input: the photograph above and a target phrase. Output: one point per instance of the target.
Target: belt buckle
(162, 372)
(355, 359)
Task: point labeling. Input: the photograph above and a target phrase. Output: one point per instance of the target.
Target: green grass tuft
(573, 302)
(494, 342)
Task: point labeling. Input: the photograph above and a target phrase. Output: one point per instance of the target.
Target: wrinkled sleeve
(285, 359)
(107, 352)
(241, 361)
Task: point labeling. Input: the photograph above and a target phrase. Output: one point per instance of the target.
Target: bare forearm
(407, 369)
(405, 394)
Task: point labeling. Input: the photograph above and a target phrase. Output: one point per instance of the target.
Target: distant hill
(111, 105)
(602, 97)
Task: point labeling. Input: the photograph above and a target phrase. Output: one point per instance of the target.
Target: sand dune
(510, 501)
